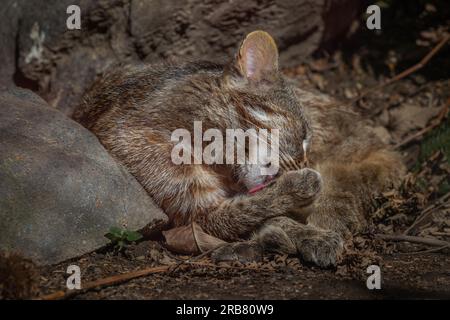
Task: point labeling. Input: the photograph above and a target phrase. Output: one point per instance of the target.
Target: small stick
(406, 72)
(212, 265)
(195, 258)
(121, 278)
(418, 134)
(427, 211)
(426, 251)
(109, 281)
(421, 240)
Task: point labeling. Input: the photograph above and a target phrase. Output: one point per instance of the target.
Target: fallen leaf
(409, 117)
(190, 239)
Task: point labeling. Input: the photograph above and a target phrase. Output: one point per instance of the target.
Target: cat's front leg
(236, 218)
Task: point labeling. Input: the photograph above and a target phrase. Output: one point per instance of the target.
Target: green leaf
(116, 231)
(111, 237)
(133, 236)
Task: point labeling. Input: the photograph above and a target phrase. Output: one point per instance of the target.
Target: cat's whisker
(283, 166)
(294, 163)
(288, 163)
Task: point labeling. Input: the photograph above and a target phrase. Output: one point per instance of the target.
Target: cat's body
(133, 112)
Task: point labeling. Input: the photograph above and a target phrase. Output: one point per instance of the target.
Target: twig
(421, 240)
(195, 258)
(212, 265)
(121, 278)
(105, 282)
(418, 134)
(426, 251)
(427, 211)
(405, 73)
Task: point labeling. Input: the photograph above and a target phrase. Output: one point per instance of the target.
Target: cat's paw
(243, 252)
(323, 248)
(304, 185)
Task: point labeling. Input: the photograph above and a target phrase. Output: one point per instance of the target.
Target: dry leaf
(410, 117)
(190, 239)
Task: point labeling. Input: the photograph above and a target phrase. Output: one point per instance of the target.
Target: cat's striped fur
(134, 110)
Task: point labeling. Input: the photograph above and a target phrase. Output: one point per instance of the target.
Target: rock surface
(60, 191)
(39, 52)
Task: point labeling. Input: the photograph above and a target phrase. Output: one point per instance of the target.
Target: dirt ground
(404, 276)
(412, 115)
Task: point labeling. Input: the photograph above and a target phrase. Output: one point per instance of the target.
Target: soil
(404, 276)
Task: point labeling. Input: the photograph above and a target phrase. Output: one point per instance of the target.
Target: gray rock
(60, 191)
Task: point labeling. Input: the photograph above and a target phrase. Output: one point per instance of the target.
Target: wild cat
(304, 211)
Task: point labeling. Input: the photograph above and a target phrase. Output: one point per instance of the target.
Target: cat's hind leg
(284, 235)
(312, 244)
(242, 251)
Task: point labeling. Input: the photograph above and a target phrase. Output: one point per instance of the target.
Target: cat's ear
(257, 58)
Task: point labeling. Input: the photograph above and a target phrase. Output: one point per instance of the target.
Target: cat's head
(264, 99)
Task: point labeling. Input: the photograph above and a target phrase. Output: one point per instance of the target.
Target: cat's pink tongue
(257, 188)
(261, 186)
